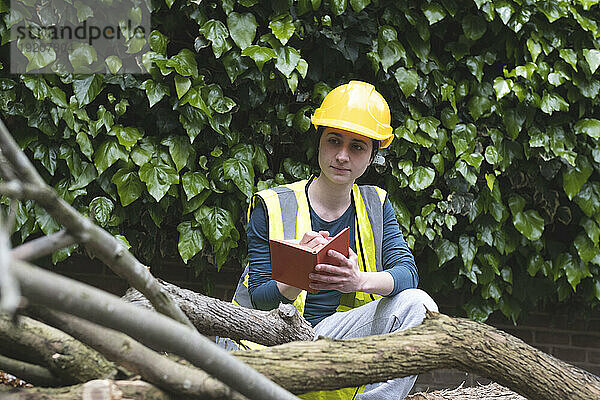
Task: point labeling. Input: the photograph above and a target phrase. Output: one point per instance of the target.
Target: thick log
(68, 359)
(439, 342)
(493, 391)
(213, 317)
(154, 368)
(93, 390)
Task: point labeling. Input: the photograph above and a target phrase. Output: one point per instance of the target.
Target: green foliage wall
(493, 173)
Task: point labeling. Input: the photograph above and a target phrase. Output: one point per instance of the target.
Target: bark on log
(68, 359)
(151, 366)
(439, 342)
(93, 390)
(213, 317)
(493, 391)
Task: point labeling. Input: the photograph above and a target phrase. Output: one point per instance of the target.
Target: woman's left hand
(345, 277)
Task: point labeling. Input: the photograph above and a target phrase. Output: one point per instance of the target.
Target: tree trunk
(213, 317)
(439, 342)
(68, 359)
(93, 390)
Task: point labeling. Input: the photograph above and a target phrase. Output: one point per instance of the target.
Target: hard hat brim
(384, 138)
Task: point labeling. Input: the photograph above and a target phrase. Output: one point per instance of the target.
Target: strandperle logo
(82, 32)
(84, 37)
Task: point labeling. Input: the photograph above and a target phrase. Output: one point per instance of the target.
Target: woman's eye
(358, 147)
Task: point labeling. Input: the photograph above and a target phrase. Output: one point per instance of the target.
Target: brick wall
(576, 341)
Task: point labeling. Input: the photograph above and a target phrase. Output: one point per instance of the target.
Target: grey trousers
(385, 315)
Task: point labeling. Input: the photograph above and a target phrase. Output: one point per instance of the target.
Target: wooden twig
(43, 246)
(30, 373)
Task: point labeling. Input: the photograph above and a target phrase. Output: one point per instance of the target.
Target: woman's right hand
(314, 239)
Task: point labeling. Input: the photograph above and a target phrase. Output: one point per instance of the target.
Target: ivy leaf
(101, 208)
(155, 92)
(216, 223)
(391, 53)
(570, 57)
(585, 248)
(190, 241)
(421, 178)
(83, 173)
(47, 224)
(502, 87)
(574, 178)
(47, 156)
(158, 42)
(158, 177)
(589, 126)
(283, 28)
(446, 251)
(592, 230)
(85, 144)
(180, 150)
(184, 63)
(529, 223)
(287, 60)
(592, 57)
(241, 173)
(242, 28)
(114, 64)
(182, 85)
(474, 26)
(574, 269)
(468, 249)
(463, 136)
(407, 80)
(553, 102)
(588, 198)
(129, 185)
(37, 59)
(108, 153)
(87, 88)
(433, 12)
(127, 135)
(338, 6)
(217, 33)
(235, 65)
(194, 183)
(359, 5)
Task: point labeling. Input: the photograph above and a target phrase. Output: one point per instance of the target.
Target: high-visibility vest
(288, 218)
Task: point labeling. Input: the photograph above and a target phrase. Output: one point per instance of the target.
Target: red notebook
(291, 262)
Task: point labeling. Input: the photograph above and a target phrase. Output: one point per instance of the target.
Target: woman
(373, 291)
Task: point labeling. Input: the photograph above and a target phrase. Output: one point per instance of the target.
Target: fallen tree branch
(214, 317)
(43, 246)
(110, 250)
(439, 342)
(30, 373)
(10, 294)
(151, 366)
(93, 390)
(63, 294)
(32, 341)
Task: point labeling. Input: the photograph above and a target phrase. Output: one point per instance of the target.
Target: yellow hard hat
(356, 107)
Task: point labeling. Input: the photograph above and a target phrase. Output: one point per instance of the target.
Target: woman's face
(343, 156)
